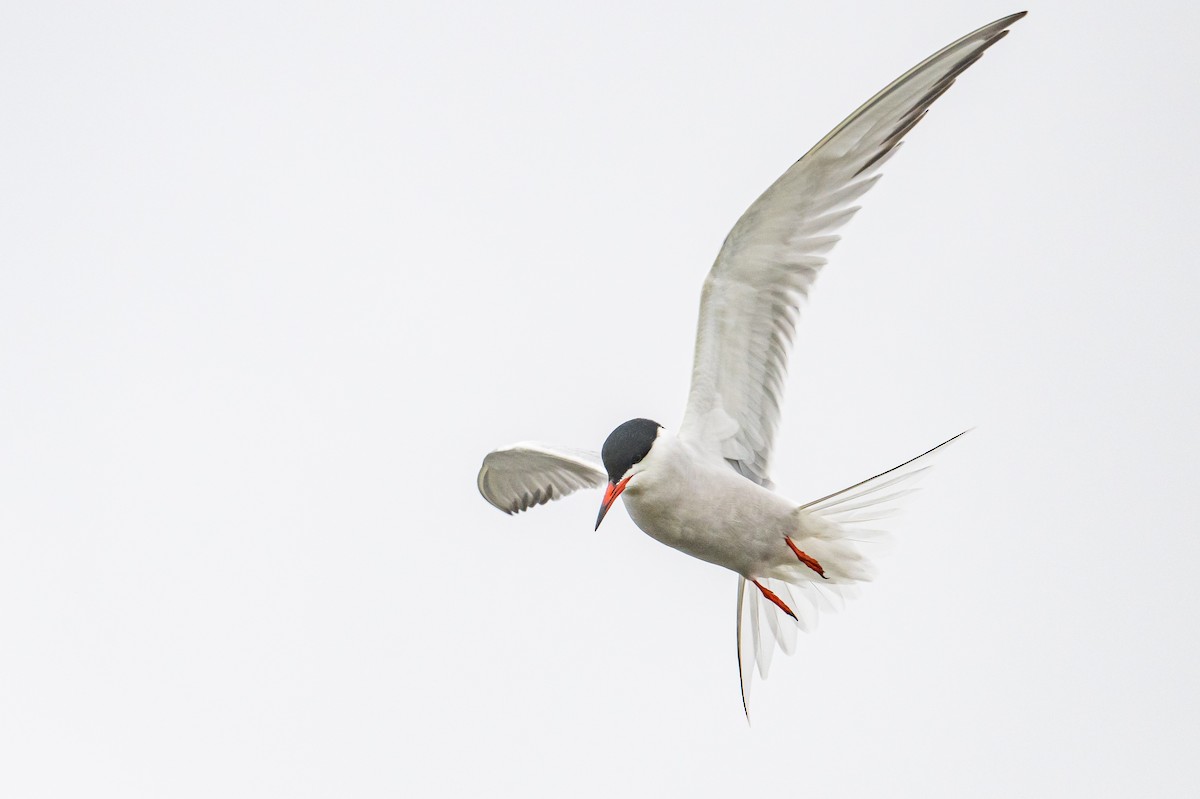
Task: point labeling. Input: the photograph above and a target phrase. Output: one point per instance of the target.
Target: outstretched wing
(750, 302)
(520, 476)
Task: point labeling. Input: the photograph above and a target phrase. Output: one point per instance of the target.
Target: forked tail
(807, 587)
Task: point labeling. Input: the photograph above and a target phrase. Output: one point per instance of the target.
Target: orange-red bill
(610, 496)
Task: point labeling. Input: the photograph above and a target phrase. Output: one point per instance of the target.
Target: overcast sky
(274, 278)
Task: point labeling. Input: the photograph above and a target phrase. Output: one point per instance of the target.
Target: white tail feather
(834, 544)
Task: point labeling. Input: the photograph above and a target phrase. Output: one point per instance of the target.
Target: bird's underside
(750, 304)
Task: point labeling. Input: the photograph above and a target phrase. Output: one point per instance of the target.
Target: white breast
(702, 507)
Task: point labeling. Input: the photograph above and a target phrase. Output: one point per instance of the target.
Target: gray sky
(276, 278)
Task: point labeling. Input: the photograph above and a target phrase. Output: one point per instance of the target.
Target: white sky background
(273, 280)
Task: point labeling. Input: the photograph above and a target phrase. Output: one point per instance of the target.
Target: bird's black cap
(627, 445)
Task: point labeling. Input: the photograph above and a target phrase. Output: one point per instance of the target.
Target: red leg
(806, 559)
(779, 603)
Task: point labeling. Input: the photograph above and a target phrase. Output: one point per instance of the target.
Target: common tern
(706, 490)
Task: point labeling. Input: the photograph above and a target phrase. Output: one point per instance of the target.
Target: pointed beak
(610, 496)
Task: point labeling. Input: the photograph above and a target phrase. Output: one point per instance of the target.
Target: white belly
(710, 512)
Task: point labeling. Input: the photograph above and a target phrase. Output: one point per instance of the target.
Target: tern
(705, 490)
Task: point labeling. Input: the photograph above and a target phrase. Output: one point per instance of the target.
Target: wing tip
(1000, 26)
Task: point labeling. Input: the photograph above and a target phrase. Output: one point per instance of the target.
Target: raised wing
(520, 476)
(750, 302)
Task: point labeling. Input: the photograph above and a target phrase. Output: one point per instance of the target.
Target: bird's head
(624, 449)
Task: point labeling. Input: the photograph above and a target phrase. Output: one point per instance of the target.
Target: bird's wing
(750, 302)
(520, 476)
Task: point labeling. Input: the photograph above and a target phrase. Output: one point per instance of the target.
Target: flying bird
(706, 489)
